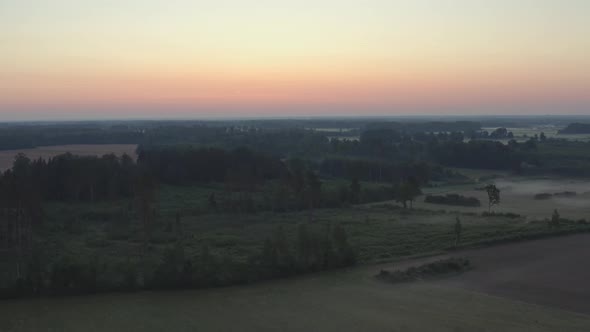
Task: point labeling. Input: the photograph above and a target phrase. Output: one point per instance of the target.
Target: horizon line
(288, 117)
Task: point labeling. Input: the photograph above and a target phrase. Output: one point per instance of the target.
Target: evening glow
(183, 59)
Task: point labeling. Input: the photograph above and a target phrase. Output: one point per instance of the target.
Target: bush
(453, 199)
(500, 214)
(543, 196)
(438, 268)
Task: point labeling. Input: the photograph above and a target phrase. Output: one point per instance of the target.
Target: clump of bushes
(556, 220)
(543, 196)
(453, 199)
(500, 214)
(439, 268)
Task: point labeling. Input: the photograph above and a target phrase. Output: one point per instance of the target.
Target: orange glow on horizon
(379, 56)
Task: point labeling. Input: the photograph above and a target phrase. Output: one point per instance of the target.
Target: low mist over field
(520, 195)
(536, 186)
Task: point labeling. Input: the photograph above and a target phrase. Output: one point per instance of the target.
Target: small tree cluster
(311, 251)
(407, 191)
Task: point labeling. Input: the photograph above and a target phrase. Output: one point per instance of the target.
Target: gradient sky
(78, 59)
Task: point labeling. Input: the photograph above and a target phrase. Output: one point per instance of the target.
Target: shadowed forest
(208, 204)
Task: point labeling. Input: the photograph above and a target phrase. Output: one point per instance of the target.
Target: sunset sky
(79, 59)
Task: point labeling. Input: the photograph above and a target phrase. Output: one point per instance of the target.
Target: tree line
(456, 144)
(190, 165)
(175, 268)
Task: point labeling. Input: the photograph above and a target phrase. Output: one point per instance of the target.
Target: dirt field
(7, 156)
(351, 300)
(547, 272)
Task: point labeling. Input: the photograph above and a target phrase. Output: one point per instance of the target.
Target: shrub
(500, 214)
(543, 196)
(438, 268)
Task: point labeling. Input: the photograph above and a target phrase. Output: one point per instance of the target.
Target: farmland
(45, 152)
(351, 300)
(281, 218)
(532, 272)
(299, 166)
(379, 232)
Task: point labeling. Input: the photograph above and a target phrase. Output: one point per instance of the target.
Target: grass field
(45, 152)
(524, 133)
(379, 232)
(517, 196)
(110, 233)
(345, 300)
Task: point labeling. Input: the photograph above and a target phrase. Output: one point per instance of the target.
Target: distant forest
(576, 128)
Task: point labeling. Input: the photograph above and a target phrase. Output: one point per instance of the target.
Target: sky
(82, 59)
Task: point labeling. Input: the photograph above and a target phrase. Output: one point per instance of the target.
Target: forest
(232, 172)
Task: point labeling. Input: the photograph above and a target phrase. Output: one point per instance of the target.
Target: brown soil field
(45, 152)
(549, 272)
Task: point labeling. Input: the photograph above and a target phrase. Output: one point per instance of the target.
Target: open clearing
(517, 196)
(350, 300)
(45, 152)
